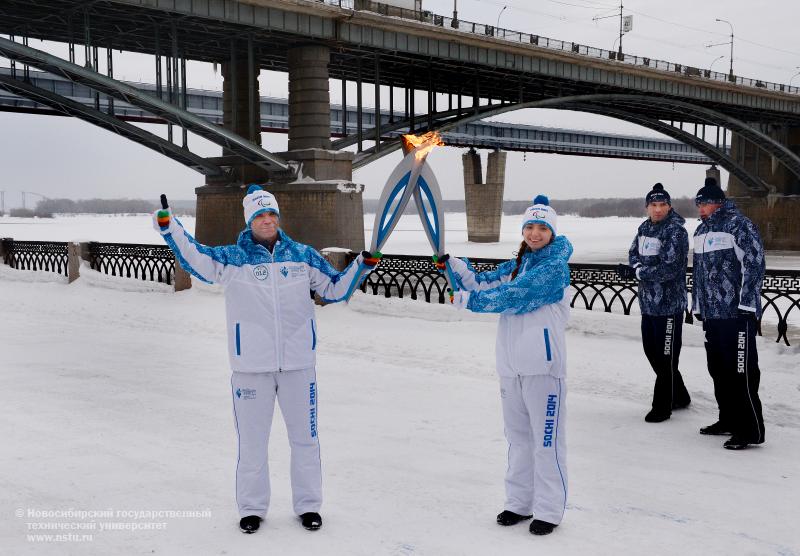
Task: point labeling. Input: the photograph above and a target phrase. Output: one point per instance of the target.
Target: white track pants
(534, 414)
(254, 397)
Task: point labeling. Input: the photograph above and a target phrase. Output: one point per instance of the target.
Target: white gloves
(162, 221)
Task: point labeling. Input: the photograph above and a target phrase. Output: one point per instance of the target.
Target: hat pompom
(710, 182)
(253, 187)
(541, 200)
(658, 187)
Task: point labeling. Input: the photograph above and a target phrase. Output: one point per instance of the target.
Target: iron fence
(154, 263)
(592, 286)
(555, 44)
(50, 256)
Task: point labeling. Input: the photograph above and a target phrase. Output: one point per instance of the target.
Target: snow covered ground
(115, 397)
(596, 240)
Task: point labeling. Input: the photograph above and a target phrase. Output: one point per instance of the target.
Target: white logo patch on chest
(261, 272)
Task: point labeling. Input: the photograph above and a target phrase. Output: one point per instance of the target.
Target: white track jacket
(268, 304)
(533, 308)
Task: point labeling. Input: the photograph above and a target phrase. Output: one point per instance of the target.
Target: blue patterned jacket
(533, 308)
(659, 253)
(269, 311)
(728, 265)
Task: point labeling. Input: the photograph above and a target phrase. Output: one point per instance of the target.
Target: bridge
(480, 70)
(275, 119)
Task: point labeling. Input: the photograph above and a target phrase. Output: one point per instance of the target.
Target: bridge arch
(622, 106)
(230, 141)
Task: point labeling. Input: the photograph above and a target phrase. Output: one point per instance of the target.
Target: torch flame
(422, 143)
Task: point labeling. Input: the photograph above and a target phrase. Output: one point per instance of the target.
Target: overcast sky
(64, 157)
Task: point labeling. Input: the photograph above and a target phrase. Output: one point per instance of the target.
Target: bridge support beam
(484, 200)
(219, 202)
(776, 214)
(321, 206)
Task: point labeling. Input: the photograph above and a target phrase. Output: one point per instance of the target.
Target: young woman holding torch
(529, 292)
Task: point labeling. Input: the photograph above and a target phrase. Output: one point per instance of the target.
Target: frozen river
(596, 240)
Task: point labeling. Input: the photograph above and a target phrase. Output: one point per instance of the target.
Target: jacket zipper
(278, 339)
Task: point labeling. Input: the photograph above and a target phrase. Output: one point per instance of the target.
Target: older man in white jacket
(272, 342)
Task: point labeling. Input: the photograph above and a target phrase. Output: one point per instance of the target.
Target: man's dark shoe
(736, 443)
(250, 524)
(656, 416)
(507, 518)
(311, 520)
(717, 429)
(539, 527)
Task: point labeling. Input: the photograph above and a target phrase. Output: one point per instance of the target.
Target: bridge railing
(556, 44)
(592, 286)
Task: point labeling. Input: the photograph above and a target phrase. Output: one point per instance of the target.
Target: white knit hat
(541, 213)
(258, 201)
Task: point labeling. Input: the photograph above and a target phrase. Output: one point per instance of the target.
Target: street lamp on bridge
(730, 74)
(497, 25)
(717, 59)
(795, 75)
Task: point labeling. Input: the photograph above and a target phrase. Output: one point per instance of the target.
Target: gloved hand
(162, 219)
(371, 260)
(750, 315)
(626, 272)
(458, 299)
(441, 262)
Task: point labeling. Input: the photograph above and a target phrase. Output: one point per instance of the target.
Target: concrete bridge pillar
(484, 200)
(309, 98)
(321, 206)
(775, 214)
(713, 172)
(236, 99)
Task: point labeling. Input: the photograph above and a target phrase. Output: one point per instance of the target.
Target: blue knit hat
(710, 193)
(540, 212)
(258, 201)
(658, 195)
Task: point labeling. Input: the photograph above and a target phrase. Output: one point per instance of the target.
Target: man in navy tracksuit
(728, 271)
(657, 260)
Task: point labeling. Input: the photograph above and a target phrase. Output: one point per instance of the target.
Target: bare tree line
(589, 208)
(49, 207)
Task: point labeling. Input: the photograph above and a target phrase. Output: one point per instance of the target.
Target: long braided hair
(523, 248)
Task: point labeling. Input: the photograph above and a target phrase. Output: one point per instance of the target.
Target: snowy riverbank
(120, 400)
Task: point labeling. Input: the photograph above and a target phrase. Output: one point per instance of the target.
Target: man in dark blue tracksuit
(728, 271)
(657, 260)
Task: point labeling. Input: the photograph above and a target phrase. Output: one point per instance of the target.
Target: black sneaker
(311, 520)
(656, 416)
(250, 524)
(736, 443)
(507, 518)
(539, 527)
(717, 429)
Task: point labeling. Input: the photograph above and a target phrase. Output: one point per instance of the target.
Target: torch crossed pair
(412, 177)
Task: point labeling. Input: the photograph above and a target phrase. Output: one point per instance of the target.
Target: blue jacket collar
(726, 210)
(246, 243)
(559, 248)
